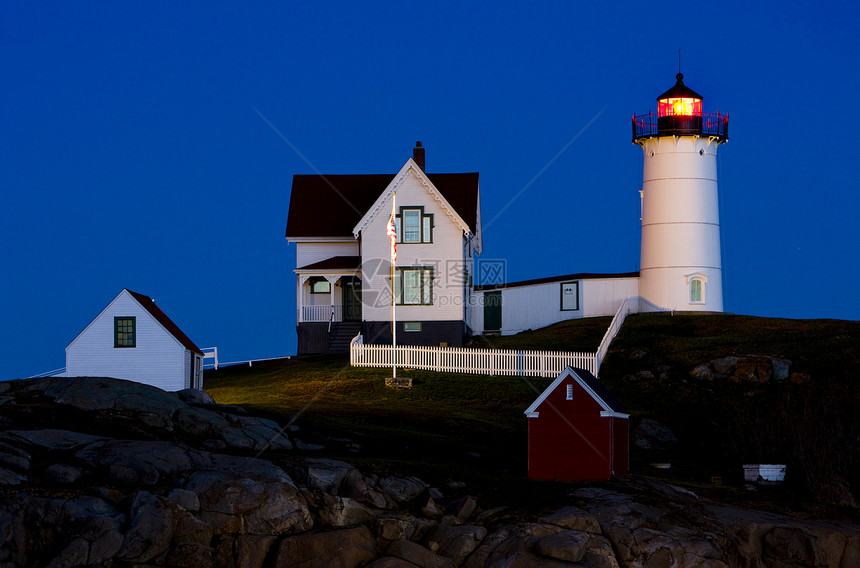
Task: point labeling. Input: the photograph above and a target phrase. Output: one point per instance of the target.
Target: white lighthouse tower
(680, 265)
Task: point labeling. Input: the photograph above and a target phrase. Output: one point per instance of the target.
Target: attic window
(570, 392)
(413, 226)
(124, 331)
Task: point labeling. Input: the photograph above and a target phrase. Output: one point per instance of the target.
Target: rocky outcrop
(747, 368)
(103, 473)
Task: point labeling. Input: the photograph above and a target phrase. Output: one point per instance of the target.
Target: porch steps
(341, 334)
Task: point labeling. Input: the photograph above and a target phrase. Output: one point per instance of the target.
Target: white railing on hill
(610, 334)
(210, 353)
(493, 362)
(61, 372)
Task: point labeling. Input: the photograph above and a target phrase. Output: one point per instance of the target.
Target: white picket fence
(504, 362)
(493, 362)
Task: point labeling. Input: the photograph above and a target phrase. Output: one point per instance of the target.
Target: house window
(413, 286)
(412, 326)
(569, 392)
(696, 291)
(124, 331)
(413, 226)
(320, 286)
(569, 296)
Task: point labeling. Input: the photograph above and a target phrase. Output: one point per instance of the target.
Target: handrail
(610, 334)
(210, 353)
(61, 372)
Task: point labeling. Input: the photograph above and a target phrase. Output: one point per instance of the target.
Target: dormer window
(414, 226)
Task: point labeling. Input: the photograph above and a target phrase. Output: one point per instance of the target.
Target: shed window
(412, 326)
(569, 392)
(124, 334)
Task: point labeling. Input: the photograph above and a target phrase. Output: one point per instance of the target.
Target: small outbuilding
(577, 431)
(133, 339)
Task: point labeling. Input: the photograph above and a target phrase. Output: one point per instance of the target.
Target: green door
(493, 311)
(351, 299)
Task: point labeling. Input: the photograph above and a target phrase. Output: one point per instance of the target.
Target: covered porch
(329, 291)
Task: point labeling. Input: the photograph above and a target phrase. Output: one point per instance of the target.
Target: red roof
(162, 318)
(332, 205)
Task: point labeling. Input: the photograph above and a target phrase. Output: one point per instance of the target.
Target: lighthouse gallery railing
(713, 124)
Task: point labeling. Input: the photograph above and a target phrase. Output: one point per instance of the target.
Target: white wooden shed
(133, 339)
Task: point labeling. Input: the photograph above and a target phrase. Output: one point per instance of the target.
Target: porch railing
(324, 313)
(493, 362)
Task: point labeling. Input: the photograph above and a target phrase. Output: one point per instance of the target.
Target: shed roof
(147, 304)
(591, 385)
(332, 205)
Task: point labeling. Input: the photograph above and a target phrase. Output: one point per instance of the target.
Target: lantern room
(679, 113)
(680, 100)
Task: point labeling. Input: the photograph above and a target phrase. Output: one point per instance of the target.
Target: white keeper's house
(344, 276)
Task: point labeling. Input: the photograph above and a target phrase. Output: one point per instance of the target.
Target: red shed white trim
(577, 430)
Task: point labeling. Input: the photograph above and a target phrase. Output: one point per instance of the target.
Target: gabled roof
(332, 205)
(611, 406)
(409, 169)
(165, 321)
(147, 304)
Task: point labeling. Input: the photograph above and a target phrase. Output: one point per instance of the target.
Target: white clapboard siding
(309, 253)
(444, 254)
(493, 362)
(158, 359)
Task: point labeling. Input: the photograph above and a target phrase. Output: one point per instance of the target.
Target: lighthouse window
(696, 291)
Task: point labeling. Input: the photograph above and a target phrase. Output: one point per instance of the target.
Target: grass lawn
(448, 427)
(471, 428)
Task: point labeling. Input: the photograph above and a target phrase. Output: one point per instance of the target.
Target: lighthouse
(680, 263)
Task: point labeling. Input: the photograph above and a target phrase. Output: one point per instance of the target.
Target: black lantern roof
(680, 90)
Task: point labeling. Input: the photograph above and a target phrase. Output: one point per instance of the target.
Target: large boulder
(344, 548)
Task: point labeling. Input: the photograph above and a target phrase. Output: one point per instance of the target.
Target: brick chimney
(418, 155)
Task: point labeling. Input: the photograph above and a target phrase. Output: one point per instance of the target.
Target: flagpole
(393, 298)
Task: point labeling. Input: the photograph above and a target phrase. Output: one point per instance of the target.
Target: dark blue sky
(136, 148)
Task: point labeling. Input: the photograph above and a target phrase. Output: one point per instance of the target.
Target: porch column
(331, 282)
(301, 280)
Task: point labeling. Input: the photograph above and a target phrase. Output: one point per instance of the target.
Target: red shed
(578, 431)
